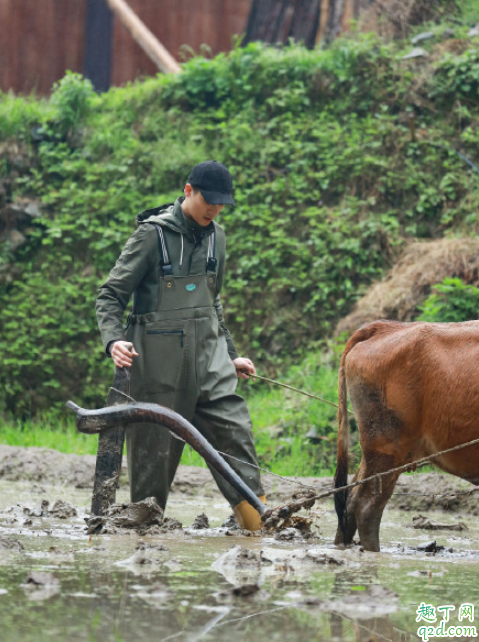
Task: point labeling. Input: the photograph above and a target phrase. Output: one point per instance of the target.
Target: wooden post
(323, 21)
(98, 44)
(110, 449)
(144, 37)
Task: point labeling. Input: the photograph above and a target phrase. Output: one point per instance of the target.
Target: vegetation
(451, 301)
(276, 414)
(340, 157)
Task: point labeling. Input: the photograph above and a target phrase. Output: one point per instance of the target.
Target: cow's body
(414, 390)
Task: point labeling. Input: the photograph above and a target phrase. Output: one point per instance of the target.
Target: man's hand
(122, 353)
(244, 367)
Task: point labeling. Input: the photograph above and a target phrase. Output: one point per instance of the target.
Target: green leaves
(47, 339)
(329, 183)
(457, 77)
(451, 301)
(72, 97)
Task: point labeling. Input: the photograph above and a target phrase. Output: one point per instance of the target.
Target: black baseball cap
(214, 182)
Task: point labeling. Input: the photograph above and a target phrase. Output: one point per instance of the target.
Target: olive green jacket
(138, 269)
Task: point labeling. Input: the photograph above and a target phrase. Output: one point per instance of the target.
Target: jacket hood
(171, 216)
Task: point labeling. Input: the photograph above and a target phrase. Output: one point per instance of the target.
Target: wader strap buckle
(164, 254)
(211, 264)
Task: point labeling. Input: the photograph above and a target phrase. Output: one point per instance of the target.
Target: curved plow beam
(94, 422)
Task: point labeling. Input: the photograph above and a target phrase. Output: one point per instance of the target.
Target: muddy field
(413, 492)
(193, 575)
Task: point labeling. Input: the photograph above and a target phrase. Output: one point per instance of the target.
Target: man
(180, 353)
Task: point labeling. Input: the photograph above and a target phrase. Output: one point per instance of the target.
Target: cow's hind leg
(370, 514)
(347, 519)
(370, 499)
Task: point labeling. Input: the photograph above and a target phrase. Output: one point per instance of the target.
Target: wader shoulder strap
(211, 260)
(165, 260)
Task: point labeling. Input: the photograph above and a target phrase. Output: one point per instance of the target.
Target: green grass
(285, 455)
(47, 432)
(281, 420)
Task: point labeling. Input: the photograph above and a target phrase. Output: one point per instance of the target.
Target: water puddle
(59, 583)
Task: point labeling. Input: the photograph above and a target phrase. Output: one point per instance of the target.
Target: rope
(399, 469)
(416, 464)
(123, 393)
(296, 482)
(269, 472)
(301, 392)
(241, 461)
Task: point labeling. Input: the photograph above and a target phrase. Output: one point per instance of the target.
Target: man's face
(195, 208)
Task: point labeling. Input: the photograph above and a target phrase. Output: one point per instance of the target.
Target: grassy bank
(341, 156)
(281, 419)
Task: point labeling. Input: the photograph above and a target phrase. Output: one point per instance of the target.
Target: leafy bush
(457, 77)
(328, 184)
(355, 73)
(72, 98)
(450, 301)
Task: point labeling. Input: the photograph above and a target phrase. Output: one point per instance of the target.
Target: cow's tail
(342, 465)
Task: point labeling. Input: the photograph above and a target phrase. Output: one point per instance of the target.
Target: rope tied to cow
(273, 516)
(297, 482)
(307, 498)
(298, 390)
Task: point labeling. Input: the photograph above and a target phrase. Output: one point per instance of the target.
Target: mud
(421, 521)
(8, 544)
(201, 522)
(415, 492)
(139, 515)
(137, 574)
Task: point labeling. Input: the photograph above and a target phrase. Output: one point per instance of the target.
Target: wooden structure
(98, 44)
(315, 21)
(41, 39)
(307, 21)
(143, 36)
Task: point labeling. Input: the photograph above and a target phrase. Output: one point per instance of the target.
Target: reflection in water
(205, 585)
(368, 630)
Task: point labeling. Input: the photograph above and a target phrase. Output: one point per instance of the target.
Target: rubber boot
(247, 516)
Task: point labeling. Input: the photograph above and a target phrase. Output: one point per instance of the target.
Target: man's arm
(138, 257)
(244, 367)
(221, 319)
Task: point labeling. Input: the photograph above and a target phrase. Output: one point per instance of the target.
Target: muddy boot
(247, 516)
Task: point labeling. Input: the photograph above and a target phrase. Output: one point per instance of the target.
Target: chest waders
(184, 364)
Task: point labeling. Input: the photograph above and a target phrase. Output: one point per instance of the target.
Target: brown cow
(414, 390)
